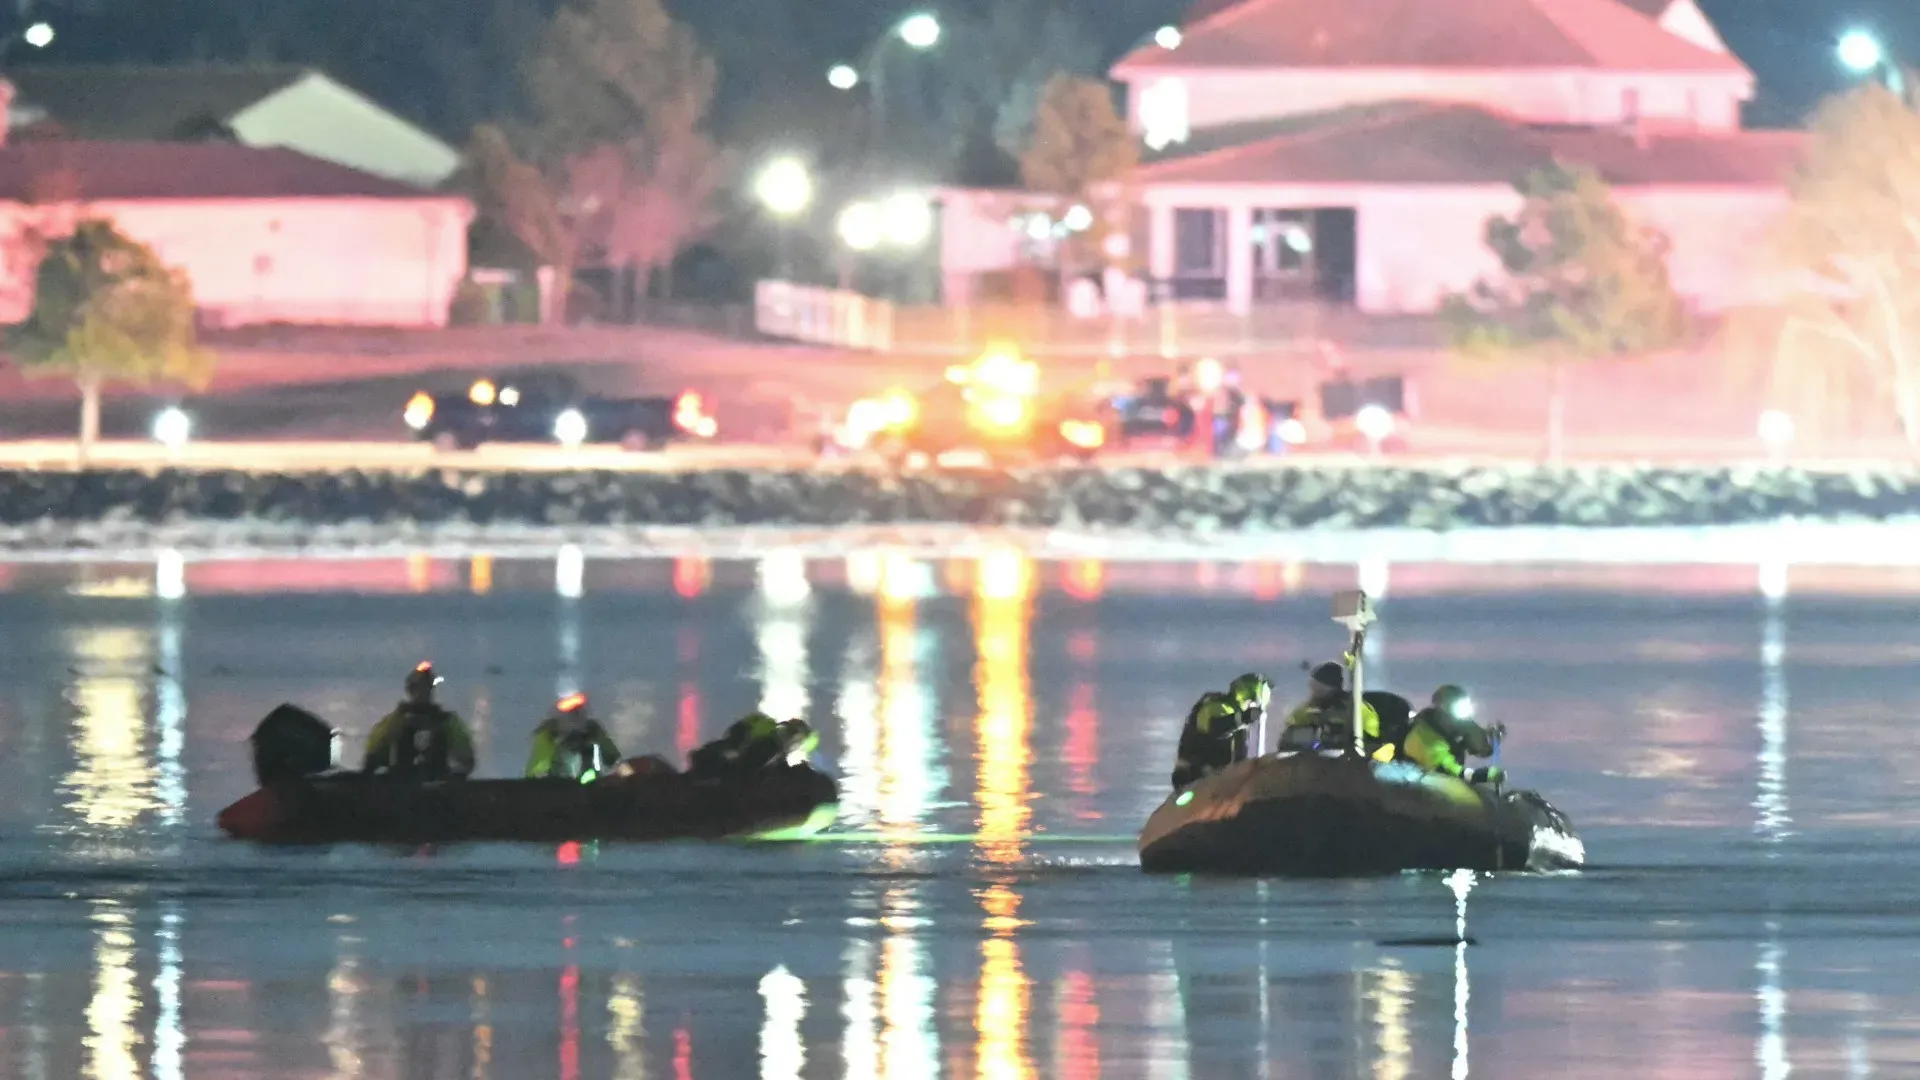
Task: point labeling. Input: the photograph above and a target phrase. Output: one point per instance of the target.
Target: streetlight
(1862, 53)
(908, 220)
(920, 31)
(862, 226)
(843, 77)
(39, 35)
(785, 188)
(1167, 37)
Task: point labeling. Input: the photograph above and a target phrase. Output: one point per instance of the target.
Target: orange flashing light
(572, 703)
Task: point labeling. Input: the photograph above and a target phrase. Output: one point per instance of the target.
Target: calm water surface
(1738, 745)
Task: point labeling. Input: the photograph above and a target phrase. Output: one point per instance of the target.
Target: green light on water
(1185, 798)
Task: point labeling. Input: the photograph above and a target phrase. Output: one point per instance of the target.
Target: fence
(819, 316)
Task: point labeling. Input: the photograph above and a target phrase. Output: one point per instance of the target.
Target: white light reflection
(113, 781)
(782, 1054)
(1775, 815)
(1392, 998)
(570, 572)
(1461, 882)
(169, 1034)
(1170, 1048)
(344, 1038)
(784, 620)
(1775, 819)
(626, 1033)
(860, 1046)
(1771, 1053)
(890, 1033)
(169, 575)
(111, 1011)
(170, 716)
(910, 773)
(857, 709)
(567, 679)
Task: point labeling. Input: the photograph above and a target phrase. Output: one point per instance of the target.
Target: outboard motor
(292, 743)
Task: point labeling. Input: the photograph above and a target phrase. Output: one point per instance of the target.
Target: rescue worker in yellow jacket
(1326, 717)
(420, 739)
(1213, 737)
(1444, 733)
(571, 744)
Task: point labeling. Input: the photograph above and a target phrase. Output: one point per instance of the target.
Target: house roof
(1460, 34)
(87, 170)
(1423, 143)
(126, 102)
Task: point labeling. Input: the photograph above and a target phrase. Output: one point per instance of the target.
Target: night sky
(449, 63)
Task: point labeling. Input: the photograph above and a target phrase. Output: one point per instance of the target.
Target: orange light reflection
(1001, 614)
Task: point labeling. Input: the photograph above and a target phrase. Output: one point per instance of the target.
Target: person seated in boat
(571, 744)
(1326, 717)
(1444, 733)
(420, 738)
(754, 742)
(1251, 694)
(1213, 737)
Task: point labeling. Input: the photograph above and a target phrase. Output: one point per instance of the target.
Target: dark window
(1196, 242)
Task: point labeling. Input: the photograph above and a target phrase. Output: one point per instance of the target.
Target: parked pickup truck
(551, 407)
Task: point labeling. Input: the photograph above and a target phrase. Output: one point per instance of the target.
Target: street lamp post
(1862, 54)
(920, 32)
(38, 36)
(785, 188)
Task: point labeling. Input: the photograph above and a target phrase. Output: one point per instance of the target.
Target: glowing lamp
(1085, 434)
(172, 428)
(419, 411)
(1375, 423)
(481, 393)
(570, 428)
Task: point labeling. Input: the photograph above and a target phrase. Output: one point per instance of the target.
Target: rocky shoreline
(60, 508)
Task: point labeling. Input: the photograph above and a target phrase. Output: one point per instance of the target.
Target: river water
(1736, 743)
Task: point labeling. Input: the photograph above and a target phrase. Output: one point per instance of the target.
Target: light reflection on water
(1001, 727)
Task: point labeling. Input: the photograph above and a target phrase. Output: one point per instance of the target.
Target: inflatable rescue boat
(781, 803)
(1336, 811)
(1332, 814)
(304, 798)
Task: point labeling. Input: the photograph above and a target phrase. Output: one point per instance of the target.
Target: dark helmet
(1453, 701)
(421, 681)
(1251, 690)
(1330, 675)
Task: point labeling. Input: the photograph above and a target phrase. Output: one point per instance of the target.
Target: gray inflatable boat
(1333, 814)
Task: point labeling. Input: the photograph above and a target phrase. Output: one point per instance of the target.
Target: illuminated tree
(612, 159)
(1081, 151)
(1580, 281)
(1850, 249)
(106, 309)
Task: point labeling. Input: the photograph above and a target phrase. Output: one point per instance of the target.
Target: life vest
(420, 748)
(576, 753)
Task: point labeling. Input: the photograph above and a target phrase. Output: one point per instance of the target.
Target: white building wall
(355, 262)
(1415, 246)
(1215, 99)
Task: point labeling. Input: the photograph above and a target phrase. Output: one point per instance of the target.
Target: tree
(1849, 246)
(1580, 281)
(1082, 151)
(617, 162)
(105, 308)
(546, 210)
